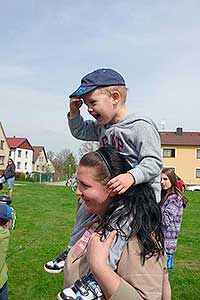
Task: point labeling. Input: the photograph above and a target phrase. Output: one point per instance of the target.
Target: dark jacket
(9, 171)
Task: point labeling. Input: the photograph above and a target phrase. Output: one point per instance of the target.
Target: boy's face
(101, 105)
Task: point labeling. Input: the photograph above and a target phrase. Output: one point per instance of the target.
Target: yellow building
(181, 150)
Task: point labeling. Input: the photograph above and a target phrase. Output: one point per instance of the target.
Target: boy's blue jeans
(4, 292)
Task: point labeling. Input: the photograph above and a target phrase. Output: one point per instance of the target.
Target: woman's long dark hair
(137, 205)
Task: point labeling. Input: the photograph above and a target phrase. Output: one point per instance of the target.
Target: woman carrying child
(129, 224)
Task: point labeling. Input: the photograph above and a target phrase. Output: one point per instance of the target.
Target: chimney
(179, 131)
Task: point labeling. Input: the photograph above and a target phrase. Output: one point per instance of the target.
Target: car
(193, 188)
(180, 184)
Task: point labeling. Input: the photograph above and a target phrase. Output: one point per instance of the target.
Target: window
(1, 144)
(18, 165)
(198, 153)
(25, 165)
(26, 154)
(19, 153)
(2, 160)
(37, 168)
(169, 152)
(198, 173)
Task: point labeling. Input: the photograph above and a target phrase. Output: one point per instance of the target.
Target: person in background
(172, 204)
(5, 226)
(9, 176)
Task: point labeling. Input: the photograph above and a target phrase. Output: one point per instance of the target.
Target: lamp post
(69, 170)
(40, 160)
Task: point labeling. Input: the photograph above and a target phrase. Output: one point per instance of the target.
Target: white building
(21, 152)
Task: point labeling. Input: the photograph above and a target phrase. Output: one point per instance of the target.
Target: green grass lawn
(45, 217)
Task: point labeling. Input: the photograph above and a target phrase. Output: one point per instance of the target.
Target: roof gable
(36, 152)
(4, 135)
(22, 143)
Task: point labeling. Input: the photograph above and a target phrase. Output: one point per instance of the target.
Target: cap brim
(82, 90)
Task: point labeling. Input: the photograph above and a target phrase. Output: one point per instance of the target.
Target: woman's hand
(97, 256)
(75, 105)
(98, 251)
(120, 183)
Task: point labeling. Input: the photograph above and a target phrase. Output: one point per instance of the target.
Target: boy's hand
(120, 183)
(75, 104)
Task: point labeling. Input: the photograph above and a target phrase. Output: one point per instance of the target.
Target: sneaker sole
(51, 271)
(59, 297)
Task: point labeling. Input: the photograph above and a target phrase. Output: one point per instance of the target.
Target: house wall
(4, 151)
(23, 160)
(185, 162)
(40, 165)
(51, 168)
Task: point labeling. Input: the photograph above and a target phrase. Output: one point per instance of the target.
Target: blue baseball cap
(5, 212)
(98, 78)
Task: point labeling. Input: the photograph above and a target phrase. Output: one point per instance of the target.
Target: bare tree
(51, 155)
(64, 163)
(88, 147)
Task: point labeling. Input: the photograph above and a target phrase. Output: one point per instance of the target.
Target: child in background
(7, 200)
(5, 226)
(172, 204)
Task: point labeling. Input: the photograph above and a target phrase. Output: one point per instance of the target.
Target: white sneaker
(85, 288)
(56, 266)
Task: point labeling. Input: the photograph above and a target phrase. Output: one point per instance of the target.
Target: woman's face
(93, 193)
(165, 182)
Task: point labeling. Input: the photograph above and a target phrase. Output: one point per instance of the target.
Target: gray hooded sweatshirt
(136, 138)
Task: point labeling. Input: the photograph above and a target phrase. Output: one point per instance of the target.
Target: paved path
(58, 183)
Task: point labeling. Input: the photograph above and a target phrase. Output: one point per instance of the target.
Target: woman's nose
(78, 191)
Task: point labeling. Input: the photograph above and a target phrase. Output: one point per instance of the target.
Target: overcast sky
(47, 46)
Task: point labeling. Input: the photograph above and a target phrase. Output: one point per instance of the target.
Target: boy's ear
(116, 96)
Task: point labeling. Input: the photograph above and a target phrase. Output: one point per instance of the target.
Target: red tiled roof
(14, 142)
(182, 138)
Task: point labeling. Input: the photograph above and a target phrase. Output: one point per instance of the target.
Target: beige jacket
(137, 281)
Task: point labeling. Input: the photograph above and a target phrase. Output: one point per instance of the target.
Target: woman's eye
(85, 185)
